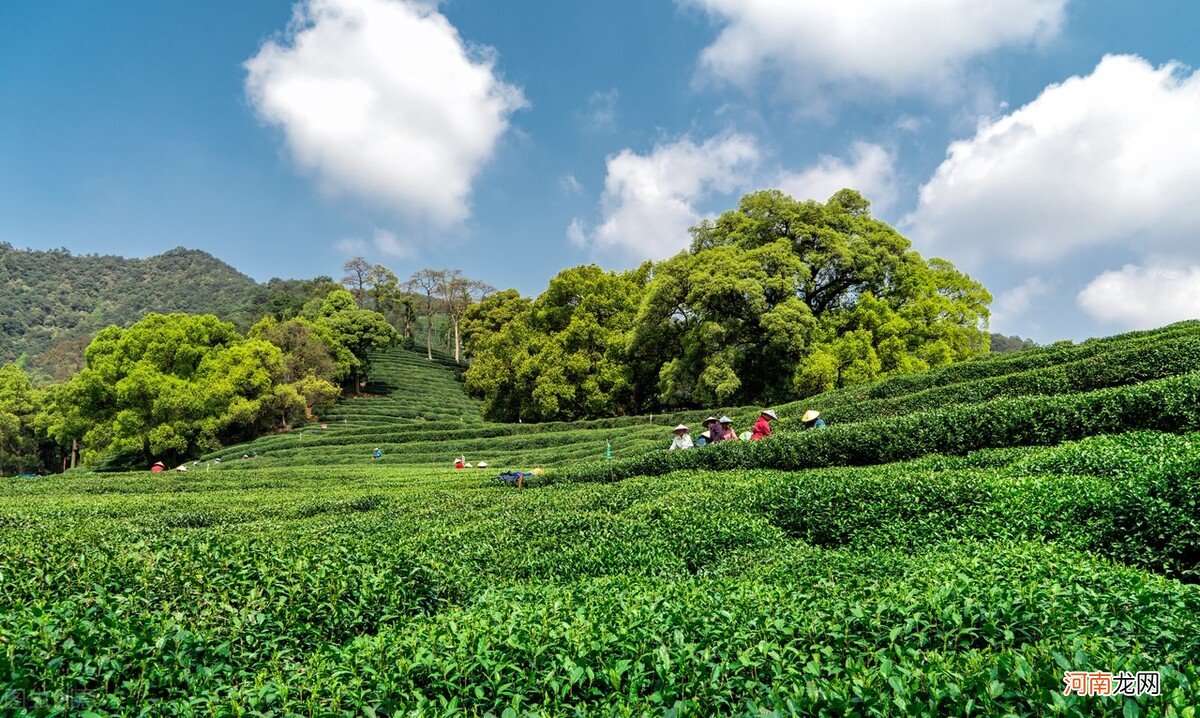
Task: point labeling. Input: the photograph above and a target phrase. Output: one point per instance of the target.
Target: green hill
(48, 298)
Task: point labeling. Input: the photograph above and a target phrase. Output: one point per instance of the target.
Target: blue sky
(1051, 148)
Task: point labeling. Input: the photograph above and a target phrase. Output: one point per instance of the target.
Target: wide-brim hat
(679, 428)
(710, 420)
(159, 463)
(771, 413)
(481, 465)
(726, 420)
(810, 415)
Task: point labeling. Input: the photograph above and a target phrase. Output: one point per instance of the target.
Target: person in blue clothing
(377, 453)
(812, 420)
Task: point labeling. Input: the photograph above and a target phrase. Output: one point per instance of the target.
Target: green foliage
(953, 586)
(310, 349)
(775, 298)
(18, 403)
(564, 356)
(1171, 404)
(1010, 344)
(54, 298)
(838, 298)
(358, 331)
(170, 385)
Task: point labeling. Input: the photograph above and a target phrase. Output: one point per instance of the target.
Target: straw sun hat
(771, 413)
(709, 421)
(679, 428)
(810, 415)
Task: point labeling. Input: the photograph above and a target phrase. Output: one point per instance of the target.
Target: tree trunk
(74, 451)
(457, 360)
(429, 337)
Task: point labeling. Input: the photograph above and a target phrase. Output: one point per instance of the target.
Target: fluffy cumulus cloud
(871, 170)
(382, 99)
(896, 46)
(1143, 297)
(650, 200)
(1112, 158)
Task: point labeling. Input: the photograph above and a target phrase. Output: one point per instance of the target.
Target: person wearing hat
(158, 467)
(727, 429)
(716, 433)
(706, 435)
(762, 427)
(812, 420)
(682, 440)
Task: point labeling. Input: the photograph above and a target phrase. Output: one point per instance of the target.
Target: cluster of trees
(173, 385)
(1010, 344)
(438, 293)
(777, 299)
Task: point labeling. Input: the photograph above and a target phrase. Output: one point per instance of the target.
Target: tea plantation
(951, 545)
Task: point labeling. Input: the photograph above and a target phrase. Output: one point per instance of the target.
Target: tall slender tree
(357, 271)
(458, 293)
(427, 282)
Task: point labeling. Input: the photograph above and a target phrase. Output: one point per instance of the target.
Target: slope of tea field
(949, 586)
(422, 418)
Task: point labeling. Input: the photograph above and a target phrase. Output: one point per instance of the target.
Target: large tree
(784, 297)
(360, 331)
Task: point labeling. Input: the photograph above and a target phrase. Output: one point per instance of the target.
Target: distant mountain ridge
(54, 298)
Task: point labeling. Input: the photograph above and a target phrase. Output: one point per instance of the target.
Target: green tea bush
(1171, 404)
(943, 586)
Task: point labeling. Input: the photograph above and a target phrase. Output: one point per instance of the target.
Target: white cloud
(649, 201)
(601, 112)
(382, 99)
(871, 171)
(1016, 302)
(383, 242)
(1112, 158)
(1143, 297)
(895, 46)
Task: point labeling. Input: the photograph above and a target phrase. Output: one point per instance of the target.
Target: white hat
(712, 419)
(468, 466)
(726, 420)
(481, 465)
(681, 427)
(810, 415)
(771, 413)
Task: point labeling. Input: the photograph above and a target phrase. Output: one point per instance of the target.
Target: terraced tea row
(948, 586)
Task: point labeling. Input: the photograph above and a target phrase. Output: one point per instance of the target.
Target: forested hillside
(49, 298)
